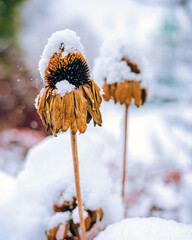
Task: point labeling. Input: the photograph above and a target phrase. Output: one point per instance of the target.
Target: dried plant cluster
(76, 108)
(70, 230)
(124, 92)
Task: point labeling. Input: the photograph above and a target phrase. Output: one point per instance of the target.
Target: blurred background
(160, 134)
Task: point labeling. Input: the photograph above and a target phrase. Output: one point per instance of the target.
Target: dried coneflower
(122, 75)
(70, 99)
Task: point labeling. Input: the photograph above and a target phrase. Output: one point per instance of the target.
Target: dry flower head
(71, 229)
(124, 92)
(76, 108)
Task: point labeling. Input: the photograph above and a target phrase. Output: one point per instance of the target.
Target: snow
(63, 87)
(47, 176)
(110, 66)
(58, 218)
(7, 187)
(36, 99)
(70, 41)
(75, 215)
(154, 149)
(146, 229)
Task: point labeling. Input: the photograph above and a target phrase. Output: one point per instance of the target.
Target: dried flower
(69, 99)
(123, 92)
(71, 228)
(122, 71)
(122, 77)
(59, 111)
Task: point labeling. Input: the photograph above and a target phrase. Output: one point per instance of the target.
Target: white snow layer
(58, 218)
(48, 176)
(63, 87)
(75, 215)
(7, 187)
(147, 229)
(110, 66)
(70, 41)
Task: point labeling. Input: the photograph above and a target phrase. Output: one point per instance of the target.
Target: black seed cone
(76, 72)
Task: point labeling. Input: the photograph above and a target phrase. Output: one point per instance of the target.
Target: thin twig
(77, 184)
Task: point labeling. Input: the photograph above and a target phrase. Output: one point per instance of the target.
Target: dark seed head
(72, 68)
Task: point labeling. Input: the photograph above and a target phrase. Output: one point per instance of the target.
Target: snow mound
(147, 228)
(7, 187)
(70, 41)
(63, 87)
(48, 177)
(110, 65)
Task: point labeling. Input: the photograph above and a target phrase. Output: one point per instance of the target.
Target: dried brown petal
(97, 92)
(69, 110)
(88, 93)
(80, 111)
(63, 106)
(56, 113)
(112, 90)
(41, 107)
(93, 217)
(143, 95)
(100, 213)
(97, 114)
(134, 67)
(66, 206)
(92, 107)
(136, 93)
(67, 225)
(106, 95)
(129, 93)
(52, 233)
(121, 92)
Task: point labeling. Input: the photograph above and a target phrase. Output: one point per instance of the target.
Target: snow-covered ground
(146, 228)
(159, 173)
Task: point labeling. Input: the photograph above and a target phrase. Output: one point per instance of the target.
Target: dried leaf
(52, 233)
(66, 206)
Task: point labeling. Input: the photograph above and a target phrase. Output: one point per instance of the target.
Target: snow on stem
(77, 184)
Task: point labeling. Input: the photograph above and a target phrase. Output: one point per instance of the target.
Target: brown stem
(77, 184)
(125, 150)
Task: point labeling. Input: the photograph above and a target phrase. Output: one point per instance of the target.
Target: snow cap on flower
(120, 60)
(70, 44)
(120, 69)
(70, 98)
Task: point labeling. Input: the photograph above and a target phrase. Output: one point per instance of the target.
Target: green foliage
(9, 20)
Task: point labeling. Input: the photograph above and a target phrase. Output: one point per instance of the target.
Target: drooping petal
(80, 110)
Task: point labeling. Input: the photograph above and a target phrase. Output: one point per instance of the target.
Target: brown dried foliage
(124, 92)
(75, 109)
(70, 228)
(134, 67)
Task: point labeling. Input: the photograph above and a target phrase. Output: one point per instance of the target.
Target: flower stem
(77, 184)
(125, 150)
